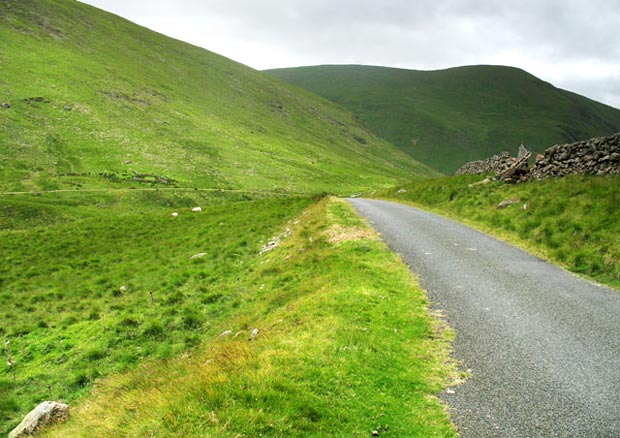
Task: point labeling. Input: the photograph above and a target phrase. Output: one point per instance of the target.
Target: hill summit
(446, 118)
(90, 99)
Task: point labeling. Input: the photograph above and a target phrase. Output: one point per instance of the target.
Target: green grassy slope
(446, 118)
(572, 221)
(335, 355)
(94, 283)
(95, 99)
(105, 283)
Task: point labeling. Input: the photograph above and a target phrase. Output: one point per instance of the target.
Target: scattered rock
(196, 209)
(375, 433)
(526, 205)
(33, 100)
(127, 162)
(6, 105)
(505, 203)
(199, 255)
(270, 245)
(46, 413)
(275, 241)
(149, 178)
(401, 191)
(450, 391)
(175, 214)
(225, 333)
(254, 334)
(67, 107)
(479, 183)
(123, 288)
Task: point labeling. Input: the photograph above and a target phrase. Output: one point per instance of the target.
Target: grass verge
(572, 221)
(345, 346)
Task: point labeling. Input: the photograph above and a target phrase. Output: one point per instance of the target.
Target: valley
(177, 258)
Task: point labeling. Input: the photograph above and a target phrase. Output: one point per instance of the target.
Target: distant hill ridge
(446, 118)
(88, 99)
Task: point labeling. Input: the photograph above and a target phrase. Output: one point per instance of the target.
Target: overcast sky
(574, 44)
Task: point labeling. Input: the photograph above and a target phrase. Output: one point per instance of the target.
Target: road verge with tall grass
(572, 221)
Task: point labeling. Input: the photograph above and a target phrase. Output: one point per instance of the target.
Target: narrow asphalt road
(543, 345)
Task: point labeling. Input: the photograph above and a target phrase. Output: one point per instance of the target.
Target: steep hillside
(88, 99)
(448, 117)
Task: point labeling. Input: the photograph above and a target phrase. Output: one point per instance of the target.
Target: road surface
(543, 345)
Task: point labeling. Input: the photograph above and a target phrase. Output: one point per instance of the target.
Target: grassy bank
(573, 221)
(345, 347)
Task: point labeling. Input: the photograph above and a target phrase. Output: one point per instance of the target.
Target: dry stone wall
(495, 164)
(596, 156)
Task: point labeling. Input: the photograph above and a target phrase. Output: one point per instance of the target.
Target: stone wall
(596, 156)
(495, 164)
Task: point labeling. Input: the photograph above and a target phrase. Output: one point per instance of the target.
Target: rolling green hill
(88, 99)
(446, 118)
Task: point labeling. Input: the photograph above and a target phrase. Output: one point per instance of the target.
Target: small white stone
(254, 334)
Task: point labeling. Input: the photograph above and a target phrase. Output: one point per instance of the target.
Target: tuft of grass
(345, 346)
(573, 221)
(445, 118)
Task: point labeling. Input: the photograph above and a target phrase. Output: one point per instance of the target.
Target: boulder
(46, 413)
(505, 203)
(196, 209)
